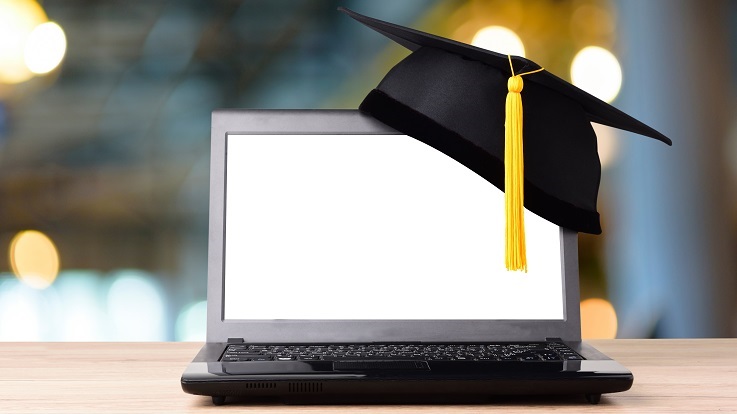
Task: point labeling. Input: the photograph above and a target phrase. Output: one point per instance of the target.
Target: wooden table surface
(690, 375)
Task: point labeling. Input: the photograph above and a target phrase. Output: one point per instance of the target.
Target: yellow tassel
(514, 180)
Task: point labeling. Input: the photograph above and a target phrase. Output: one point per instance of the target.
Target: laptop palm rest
(296, 367)
(382, 365)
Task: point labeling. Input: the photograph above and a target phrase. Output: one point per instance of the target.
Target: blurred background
(104, 146)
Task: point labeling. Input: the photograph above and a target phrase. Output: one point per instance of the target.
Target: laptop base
(422, 392)
(396, 388)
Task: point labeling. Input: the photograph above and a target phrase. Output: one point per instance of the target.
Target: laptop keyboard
(536, 351)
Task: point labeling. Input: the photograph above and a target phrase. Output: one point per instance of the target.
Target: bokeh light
(18, 19)
(34, 259)
(27, 314)
(607, 144)
(499, 39)
(192, 322)
(598, 319)
(45, 48)
(598, 72)
(135, 307)
(83, 316)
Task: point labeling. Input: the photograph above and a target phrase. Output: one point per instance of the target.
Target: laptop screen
(334, 227)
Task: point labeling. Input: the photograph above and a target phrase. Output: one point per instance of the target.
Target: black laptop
(349, 263)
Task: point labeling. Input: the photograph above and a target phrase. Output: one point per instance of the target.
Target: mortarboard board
(451, 96)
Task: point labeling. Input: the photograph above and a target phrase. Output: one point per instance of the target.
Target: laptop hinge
(235, 340)
(554, 339)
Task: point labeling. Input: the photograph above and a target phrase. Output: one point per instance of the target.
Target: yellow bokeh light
(45, 48)
(499, 39)
(598, 319)
(34, 259)
(18, 18)
(597, 71)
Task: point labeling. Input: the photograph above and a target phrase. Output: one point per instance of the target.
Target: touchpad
(379, 365)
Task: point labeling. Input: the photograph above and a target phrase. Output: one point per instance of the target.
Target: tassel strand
(514, 181)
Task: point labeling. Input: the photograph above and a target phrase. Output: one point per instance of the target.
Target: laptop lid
(328, 226)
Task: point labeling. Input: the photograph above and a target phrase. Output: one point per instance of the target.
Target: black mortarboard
(451, 96)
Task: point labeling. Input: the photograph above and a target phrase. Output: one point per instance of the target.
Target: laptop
(349, 263)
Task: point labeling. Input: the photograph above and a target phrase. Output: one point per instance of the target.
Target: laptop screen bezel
(351, 122)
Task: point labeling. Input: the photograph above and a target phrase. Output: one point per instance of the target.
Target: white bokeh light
(192, 322)
(82, 310)
(135, 307)
(19, 316)
(27, 314)
(499, 39)
(597, 71)
(45, 48)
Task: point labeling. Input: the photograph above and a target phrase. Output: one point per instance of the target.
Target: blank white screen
(374, 227)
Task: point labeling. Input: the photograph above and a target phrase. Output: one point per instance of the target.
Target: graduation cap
(467, 103)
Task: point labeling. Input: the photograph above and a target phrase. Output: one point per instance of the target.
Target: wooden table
(689, 375)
